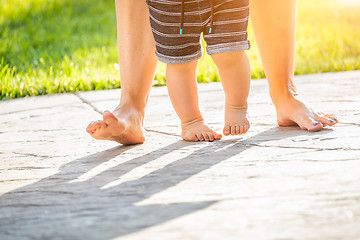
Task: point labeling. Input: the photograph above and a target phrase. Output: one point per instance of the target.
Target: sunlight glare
(348, 2)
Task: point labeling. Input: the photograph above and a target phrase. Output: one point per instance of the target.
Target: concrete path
(274, 183)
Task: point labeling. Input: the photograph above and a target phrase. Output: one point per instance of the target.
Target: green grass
(53, 46)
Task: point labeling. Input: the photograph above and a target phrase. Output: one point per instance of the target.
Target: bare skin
(234, 71)
(137, 62)
(197, 130)
(274, 26)
(183, 92)
(123, 130)
(236, 121)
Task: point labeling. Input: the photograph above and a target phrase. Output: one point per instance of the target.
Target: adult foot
(236, 122)
(291, 111)
(197, 131)
(124, 126)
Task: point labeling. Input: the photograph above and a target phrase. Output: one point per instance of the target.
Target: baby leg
(183, 92)
(234, 71)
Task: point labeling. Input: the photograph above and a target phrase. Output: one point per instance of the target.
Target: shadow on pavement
(58, 206)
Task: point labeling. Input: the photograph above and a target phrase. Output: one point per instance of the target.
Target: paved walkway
(274, 183)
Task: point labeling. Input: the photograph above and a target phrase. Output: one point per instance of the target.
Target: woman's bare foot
(197, 131)
(236, 122)
(293, 112)
(124, 126)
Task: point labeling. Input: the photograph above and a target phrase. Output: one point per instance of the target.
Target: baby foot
(197, 131)
(236, 122)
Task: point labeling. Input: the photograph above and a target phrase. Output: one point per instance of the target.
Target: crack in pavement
(24, 179)
(25, 168)
(88, 103)
(350, 124)
(165, 133)
(100, 112)
(34, 155)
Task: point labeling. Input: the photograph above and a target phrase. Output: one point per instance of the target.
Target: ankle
(279, 96)
(186, 124)
(131, 103)
(131, 108)
(282, 90)
(236, 106)
(137, 100)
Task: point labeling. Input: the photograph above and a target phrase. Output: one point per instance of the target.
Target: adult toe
(332, 117)
(311, 125)
(102, 124)
(109, 118)
(91, 127)
(326, 121)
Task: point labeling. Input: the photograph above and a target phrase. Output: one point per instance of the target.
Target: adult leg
(137, 62)
(274, 24)
(183, 92)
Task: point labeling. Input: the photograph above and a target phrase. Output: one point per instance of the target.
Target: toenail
(335, 119)
(315, 124)
(331, 121)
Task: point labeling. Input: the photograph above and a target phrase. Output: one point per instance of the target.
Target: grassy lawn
(53, 46)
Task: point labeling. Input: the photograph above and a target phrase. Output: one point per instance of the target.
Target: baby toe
(237, 130)
(233, 130)
(200, 137)
(211, 137)
(242, 130)
(217, 136)
(246, 128)
(226, 130)
(206, 137)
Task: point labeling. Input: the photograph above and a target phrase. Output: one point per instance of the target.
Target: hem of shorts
(241, 46)
(178, 60)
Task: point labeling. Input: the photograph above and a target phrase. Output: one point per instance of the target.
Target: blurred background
(54, 46)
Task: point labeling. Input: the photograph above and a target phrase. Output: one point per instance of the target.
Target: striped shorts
(177, 26)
